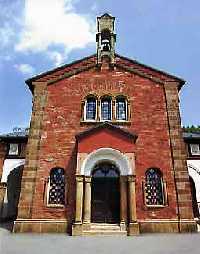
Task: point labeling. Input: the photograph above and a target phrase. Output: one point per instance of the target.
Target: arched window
(56, 194)
(106, 108)
(154, 191)
(90, 108)
(121, 108)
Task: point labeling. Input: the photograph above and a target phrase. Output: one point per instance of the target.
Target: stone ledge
(40, 226)
(173, 226)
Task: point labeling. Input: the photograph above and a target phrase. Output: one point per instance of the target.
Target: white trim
(8, 166)
(194, 173)
(106, 154)
(40, 220)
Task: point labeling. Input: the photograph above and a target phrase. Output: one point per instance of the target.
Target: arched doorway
(105, 194)
(194, 199)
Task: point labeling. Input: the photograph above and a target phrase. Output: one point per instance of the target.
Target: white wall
(194, 172)
(8, 166)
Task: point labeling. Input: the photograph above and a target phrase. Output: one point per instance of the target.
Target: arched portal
(105, 193)
(107, 154)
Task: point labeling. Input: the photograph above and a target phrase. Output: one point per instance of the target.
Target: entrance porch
(105, 194)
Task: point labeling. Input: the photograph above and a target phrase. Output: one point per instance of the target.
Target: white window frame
(47, 195)
(120, 120)
(195, 149)
(85, 111)
(16, 145)
(164, 195)
(111, 111)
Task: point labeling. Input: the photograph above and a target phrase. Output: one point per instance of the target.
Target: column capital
(131, 178)
(88, 179)
(79, 178)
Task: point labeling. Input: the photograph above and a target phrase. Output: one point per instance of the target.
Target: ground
(60, 243)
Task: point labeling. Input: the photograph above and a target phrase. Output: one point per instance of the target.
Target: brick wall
(61, 122)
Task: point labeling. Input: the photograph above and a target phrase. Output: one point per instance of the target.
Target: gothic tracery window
(121, 108)
(153, 188)
(90, 108)
(56, 195)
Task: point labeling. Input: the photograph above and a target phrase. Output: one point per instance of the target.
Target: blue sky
(38, 35)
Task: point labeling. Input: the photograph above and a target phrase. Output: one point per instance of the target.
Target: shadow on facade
(11, 199)
(194, 199)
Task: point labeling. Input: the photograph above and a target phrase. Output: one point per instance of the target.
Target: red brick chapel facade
(105, 150)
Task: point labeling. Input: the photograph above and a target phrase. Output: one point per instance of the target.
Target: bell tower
(105, 38)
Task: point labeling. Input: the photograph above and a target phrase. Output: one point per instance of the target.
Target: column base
(133, 229)
(123, 226)
(77, 229)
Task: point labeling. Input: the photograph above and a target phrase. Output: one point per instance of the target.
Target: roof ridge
(150, 67)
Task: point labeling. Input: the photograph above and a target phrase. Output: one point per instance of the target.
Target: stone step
(103, 226)
(105, 229)
(106, 233)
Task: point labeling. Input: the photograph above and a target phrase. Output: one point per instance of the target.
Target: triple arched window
(56, 187)
(154, 188)
(106, 108)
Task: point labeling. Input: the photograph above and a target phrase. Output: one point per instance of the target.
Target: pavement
(61, 243)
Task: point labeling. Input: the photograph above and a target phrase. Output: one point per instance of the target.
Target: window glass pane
(105, 170)
(121, 109)
(106, 109)
(153, 188)
(57, 187)
(91, 109)
(195, 149)
(13, 149)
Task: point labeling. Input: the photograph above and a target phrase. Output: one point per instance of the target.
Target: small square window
(195, 149)
(13, 149)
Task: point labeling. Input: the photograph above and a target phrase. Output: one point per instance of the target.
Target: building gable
(90, 62)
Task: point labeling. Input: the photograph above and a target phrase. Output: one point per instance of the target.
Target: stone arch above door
(125, 163)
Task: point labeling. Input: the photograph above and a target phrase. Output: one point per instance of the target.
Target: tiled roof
(17, 133)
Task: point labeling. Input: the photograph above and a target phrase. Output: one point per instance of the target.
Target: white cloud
(56, 57)
(25, 69)
(50, 23)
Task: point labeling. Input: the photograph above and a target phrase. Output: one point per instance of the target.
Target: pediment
(113, 129)
(89, 62)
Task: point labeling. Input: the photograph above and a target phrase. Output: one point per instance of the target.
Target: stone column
(87, 201)
(79, 198)
(132, 198)
(133, 225)
(123, 200)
